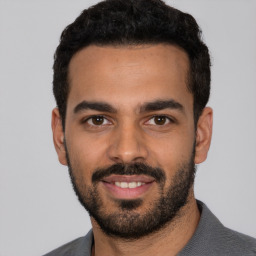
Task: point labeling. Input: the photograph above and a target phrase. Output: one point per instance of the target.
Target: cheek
(85, 153)
(172, 152)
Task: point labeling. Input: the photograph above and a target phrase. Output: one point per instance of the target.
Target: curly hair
(134, 22)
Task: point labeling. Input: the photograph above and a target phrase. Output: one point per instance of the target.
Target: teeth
(132, 184)
(124, 185)
(129, 184)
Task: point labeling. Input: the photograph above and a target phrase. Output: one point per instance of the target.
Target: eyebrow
(146, 107)
(99, 106)
(160, 105)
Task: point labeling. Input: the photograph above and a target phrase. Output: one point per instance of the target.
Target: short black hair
(134, 22)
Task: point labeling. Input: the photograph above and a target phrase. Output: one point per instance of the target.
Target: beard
(126, 222)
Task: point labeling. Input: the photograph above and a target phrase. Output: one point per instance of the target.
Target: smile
(127, 186)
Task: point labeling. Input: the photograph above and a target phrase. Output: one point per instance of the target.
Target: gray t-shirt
(211, 238)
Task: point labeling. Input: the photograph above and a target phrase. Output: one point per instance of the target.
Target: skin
(127, 78)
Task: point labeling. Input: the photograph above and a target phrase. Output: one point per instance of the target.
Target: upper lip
(128, 178)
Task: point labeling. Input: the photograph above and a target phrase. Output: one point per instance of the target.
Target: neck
(168, 241)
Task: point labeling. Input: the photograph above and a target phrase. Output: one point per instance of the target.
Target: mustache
(129, 169)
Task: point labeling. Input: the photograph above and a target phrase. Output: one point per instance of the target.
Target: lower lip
(127, 193)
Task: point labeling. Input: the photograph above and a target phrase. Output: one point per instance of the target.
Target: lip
(127, 193)
(128, 178)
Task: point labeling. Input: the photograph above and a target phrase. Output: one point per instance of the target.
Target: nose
(127, 146)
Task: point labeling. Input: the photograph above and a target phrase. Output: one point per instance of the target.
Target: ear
(203, 135)
(58, 136)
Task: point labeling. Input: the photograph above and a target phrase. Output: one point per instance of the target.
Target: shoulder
(213, 238)
(77, 247)
(225, 241)
(238, 242)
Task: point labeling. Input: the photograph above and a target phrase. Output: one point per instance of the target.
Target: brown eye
(160, 120)
(97, 120)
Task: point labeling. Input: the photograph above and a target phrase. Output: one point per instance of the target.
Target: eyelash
(95, 116)
(167, 118)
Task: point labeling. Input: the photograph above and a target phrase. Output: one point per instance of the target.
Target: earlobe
(203, 135)
(58, 136)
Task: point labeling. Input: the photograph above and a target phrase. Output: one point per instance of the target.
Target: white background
(39, 210)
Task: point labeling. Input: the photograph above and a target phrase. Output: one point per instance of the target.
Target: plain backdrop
(39, 210)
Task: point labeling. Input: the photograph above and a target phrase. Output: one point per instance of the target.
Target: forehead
(121, 75)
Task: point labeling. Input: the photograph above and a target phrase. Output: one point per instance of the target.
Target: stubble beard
(126, 222)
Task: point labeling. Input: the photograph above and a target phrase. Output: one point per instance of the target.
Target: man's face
(130, 136)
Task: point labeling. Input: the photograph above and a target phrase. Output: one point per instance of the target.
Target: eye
(159, 120)
(97, 121)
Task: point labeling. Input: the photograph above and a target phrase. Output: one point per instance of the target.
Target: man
(131, 81)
